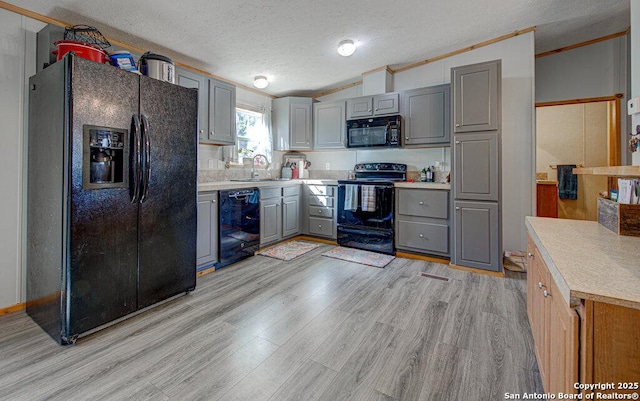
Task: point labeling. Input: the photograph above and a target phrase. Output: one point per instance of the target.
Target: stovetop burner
(380, 172)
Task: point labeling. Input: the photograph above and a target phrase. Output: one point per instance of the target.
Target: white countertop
(588, 261)
(222, 185)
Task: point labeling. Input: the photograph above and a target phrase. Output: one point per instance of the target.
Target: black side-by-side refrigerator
(112, 188)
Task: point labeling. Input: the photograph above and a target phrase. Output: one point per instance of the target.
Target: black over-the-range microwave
(374, 132)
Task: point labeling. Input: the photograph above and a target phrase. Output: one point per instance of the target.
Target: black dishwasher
(239, 226)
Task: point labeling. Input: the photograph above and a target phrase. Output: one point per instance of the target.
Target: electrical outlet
(211, 163)
(327, 166)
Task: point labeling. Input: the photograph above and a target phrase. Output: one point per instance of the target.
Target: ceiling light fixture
(346, 48)
(260, 82)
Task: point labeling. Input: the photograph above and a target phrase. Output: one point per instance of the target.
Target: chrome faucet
(253, 164)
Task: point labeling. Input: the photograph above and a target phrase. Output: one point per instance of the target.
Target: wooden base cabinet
(593, 342)
(554, 326)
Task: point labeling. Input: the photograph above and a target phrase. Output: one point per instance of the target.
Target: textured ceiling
(294, 43)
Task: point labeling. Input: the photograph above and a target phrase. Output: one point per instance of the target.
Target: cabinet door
(477, 235)
(540, 314)
(207, 233)
(388, 103)
(475, 174)
(270, 221)
(475, 97)
(426, 115)
(300, 126)
(189, 79)
(329, 125)
(359, 107)
(290, 216)
(563, 343)
(222, 113)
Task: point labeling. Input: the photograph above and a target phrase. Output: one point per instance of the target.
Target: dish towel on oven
(368, 198)
(351, 197)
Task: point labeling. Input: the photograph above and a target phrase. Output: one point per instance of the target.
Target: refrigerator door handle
(136, 161)
(147, 158)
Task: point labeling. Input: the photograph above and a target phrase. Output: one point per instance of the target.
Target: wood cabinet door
(476, 166)
(189, 79)
(290, 216)
(300, 126)
(270, 221)
(207, 232)
(563, 343)
(426, 115)
(222, 113)
(329, 125)
(359, 107)
(477, 242)
(476, 103)
(539, 315)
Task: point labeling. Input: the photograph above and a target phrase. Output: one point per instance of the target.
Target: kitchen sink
(260, 179)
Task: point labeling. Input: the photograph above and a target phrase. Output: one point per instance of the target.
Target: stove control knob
(378, 166)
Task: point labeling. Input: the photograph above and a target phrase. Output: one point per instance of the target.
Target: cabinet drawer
(293, 190)
(318, 200)
(319, 226)
(268, 193)
(423, 236)
(319, 211)
(423, 203)
(321, 190)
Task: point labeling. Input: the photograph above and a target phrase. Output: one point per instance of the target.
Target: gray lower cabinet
(216, 107)
(477, 241)
(476, 166)
(378, 105)
(426, 113)
(476, 89)
(319, 211)
(292, 123)
(329, 125)
(422, 220)
(207, 233)
(279, 213)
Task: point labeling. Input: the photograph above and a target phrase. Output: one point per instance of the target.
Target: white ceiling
(294, 42)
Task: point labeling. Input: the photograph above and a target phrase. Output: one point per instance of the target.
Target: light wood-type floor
(313, 328)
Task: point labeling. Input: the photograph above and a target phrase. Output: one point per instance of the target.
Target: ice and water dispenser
(105, 157)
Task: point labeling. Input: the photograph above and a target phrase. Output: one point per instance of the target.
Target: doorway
(584, 132)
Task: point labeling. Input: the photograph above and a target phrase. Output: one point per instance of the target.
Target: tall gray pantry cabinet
(476, 106)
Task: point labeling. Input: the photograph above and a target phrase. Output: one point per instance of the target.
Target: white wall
(596, 70)
(518, 75)
(635, 66)
(17, 63)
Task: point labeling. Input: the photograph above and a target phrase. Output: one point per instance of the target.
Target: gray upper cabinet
(426, 114)
(216, 107)
(292, 123)
(222, 113)
(477, 233)
(477, 104)
(329, 125)
(367, 106)
(189, 79)
(476, 166)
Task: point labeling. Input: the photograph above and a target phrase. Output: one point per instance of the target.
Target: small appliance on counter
(158, 67)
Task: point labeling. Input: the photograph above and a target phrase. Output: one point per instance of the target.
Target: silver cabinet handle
(213, 201)
(319, 225)
(421, 236)
(202, 131)
(529, 254)
(406, 138)
(320, 211)
(457, 125)
(457, 142)
(457, 207)
(545, 293)
(421, 203)
(212, 134)
(539, 285)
